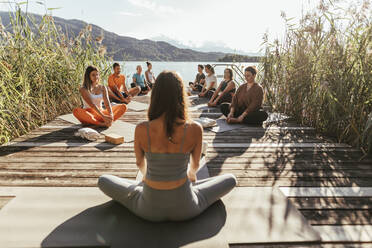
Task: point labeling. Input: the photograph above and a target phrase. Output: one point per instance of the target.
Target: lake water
(187, 70)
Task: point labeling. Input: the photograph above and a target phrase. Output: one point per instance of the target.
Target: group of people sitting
(93, 94)
(242, 105)
(141, 84)
(168, 147)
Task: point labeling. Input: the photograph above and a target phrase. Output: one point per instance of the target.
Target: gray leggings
(182, 203)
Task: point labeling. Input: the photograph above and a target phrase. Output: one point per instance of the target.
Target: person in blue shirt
(139, 81)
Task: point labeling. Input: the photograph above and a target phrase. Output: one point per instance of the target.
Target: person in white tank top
(93, 95)
(210, 82)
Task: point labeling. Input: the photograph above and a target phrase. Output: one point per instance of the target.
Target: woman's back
(167, 159)
(163, 147)
(160, 143)
(165, 165)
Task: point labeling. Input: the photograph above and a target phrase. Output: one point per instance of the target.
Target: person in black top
(225, 90)
(197, 85)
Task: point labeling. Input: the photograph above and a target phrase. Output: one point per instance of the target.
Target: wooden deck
(281, 154)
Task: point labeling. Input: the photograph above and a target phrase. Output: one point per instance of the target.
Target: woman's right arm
(196, 152)
(215, 94)
(139, 152)
(228, 88)
(234, 103)
(147, 76)
(85, 95)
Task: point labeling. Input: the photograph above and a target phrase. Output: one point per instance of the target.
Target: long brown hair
(168, 97)
(209, 67)
(230, 73)
(87, 83)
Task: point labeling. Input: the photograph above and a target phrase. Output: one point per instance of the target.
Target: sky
(234, 24)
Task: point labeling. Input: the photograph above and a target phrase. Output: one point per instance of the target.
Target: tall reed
(321, 73)
(41, 69)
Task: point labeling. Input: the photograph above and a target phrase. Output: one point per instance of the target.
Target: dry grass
(40, 72)
(321, 74)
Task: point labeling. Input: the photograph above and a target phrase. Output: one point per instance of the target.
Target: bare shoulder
(82, 89)
(195, 127)
(141, 127)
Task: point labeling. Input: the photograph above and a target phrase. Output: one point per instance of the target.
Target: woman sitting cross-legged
(246, 106)
(225, 90)
(210, 83)
(149, 75)
(163, 147)
(93, 94)
(140, 82)
(197, 85)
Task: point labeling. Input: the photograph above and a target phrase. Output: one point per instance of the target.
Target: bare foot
(233, 121)
(101, 124)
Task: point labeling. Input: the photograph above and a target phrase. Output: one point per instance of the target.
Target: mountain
(127, 48)
(216, 46)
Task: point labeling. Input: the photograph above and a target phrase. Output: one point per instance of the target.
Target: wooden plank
(246, 182)
(304, 182)
(52, 182)
(131, 159)
(68, 166)
(287, 138)
(265, 173)
(273, 150)
(338, 217)
(275, 131)
(345, 233)
(308, 159)
(231, 152)
(304, 245)
(63, 173)
(4, 200)
(354, 191)
(125, 173)
(222, 145)
(348, 203)
(216, 170)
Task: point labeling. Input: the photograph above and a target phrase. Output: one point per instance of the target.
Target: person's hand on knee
(107, 120)
(229, 116)
(240, 118)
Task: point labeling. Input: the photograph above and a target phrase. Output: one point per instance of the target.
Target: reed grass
(41, 69)
(321, 72)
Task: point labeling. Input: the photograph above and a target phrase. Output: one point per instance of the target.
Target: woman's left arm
(147, 76)
(139, 152)
(215, 94)
(107, 101)
(255, 104)
(229, 87)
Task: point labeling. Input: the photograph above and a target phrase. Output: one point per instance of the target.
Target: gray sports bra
(166, 166)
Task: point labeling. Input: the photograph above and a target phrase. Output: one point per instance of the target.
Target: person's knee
(76, 112)
(224, 107)
(230, 180)
(103, 181)
(122, 107)
(264, 115)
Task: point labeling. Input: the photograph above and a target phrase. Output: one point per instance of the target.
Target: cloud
(124, 13)
(202, 46)
(156, 8)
